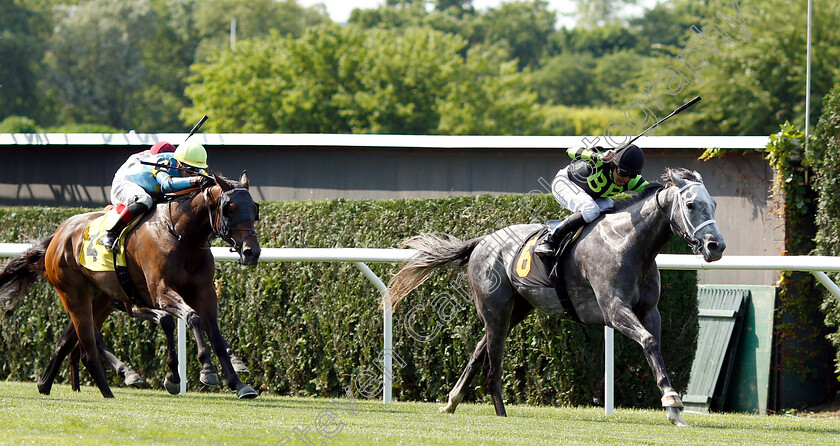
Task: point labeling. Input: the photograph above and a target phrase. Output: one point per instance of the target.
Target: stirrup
(110, 245)
(541, 251)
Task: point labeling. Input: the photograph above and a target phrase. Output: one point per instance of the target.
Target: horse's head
(232, 216)
(692, 213)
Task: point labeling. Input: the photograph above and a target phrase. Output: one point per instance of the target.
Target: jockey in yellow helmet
(146, 176)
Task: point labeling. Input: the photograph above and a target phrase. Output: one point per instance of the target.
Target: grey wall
(80, 175)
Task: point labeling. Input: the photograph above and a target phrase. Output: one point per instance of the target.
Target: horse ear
(244, 179)
(673, 176)
(697, 176)
(222, 182)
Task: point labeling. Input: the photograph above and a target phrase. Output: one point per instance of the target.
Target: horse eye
(690, 206)
(228, 210)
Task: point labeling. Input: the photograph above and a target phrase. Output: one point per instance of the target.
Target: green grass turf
(155, 417)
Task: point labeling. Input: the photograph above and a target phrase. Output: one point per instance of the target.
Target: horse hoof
(171, 387)
(133, 379)
(446, 409)
(209, 379)
(246, 393)
(43, 389)
(238, 366)
(673, 415)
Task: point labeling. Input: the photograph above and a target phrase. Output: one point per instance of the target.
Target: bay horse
(68, 342)
(610, 275)
(170, 265)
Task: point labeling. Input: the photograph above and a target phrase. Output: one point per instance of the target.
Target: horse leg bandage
(671, 399)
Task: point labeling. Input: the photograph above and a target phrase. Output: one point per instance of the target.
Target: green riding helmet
(192, 154)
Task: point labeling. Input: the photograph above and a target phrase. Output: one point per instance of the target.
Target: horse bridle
(222, 226)
(679, 202)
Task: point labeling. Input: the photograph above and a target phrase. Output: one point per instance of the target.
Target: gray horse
(610, 274)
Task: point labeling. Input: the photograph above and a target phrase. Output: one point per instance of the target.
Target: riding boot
(549, 244)
(112, 235)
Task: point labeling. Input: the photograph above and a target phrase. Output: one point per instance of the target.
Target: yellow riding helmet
(192, 154)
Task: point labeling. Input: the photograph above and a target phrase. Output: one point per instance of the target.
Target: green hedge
(824, 158)
(312, 328)
(799, 331)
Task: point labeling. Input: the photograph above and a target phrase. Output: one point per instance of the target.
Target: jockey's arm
(582, 153)
(169, 183)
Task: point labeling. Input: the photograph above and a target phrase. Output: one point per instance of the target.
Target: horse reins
(691, 238)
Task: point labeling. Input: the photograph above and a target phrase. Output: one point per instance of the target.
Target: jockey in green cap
(586, 185)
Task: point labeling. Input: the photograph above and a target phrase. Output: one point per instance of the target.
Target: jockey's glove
(201, 182)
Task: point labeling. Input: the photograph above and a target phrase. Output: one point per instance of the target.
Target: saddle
(96, 257)
(93, 255)
(532, 271)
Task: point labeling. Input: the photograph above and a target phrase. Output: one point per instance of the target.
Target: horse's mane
(668, 177)
(682, 173)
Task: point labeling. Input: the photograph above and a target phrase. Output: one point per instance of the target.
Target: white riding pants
(127, 192)
(575, 199)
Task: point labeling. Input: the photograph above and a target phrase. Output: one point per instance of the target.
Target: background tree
(349, 80)
(457, 5)
(95, 59)
(757, 81)
(566, 78)
(166, 60)
(593, 40)
(255, 18)
(524, 27)
(20, 56)
(598, 12)
(391, 16)
(665, 25)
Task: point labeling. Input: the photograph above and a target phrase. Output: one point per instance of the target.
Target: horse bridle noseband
(691, 238)
(222, 226)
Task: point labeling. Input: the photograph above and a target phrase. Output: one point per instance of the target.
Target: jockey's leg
(571, 197)
(548, 245)
(138, 206)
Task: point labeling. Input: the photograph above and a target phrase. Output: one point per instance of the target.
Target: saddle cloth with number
(96, 257)
(536, 278)
(531, 270)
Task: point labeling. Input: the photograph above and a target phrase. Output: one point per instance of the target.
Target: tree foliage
(349, 80)
(20, 57)
(598, 12)
(95, 58)
(19, 124)
(524, 27)
(756, 79)
(595, 41)
(824, 160)
(255, 18)
(98, 61)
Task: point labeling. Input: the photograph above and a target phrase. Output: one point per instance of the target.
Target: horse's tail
(21, 272)
(435, 251)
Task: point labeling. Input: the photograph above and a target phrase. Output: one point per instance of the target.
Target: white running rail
(816, 265)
